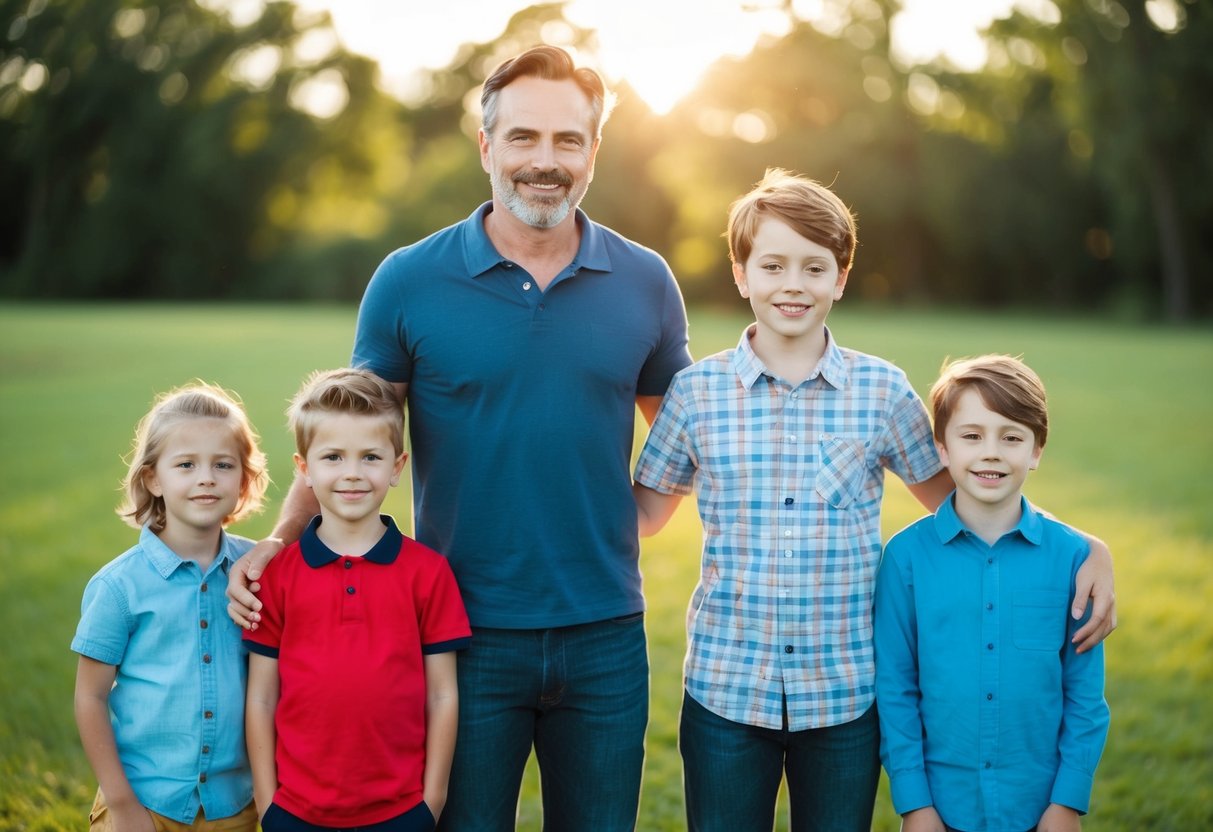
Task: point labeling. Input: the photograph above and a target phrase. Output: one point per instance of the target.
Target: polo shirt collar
(832, 367)
(165, 561)
(948, 523)
(316, 554)
(480, 256)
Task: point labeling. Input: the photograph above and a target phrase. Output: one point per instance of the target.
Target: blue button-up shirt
(986, 710)
(177, 706)
(789, 480)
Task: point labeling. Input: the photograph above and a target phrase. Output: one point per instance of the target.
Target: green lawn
(1128, 459)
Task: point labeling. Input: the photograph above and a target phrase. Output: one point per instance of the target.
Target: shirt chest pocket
(840, 477)
(1038, 620)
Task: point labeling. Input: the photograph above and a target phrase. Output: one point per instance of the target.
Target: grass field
(1129, 457)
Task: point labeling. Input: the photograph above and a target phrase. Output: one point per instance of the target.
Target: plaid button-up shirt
(789, 482)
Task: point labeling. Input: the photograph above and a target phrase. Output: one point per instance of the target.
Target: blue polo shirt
(177, 705)
(521, 410)
(986, 710)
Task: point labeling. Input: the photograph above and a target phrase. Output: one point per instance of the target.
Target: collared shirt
(350, 635)
(177, 706)
(986, 710)
(522, 409)
(790, 480)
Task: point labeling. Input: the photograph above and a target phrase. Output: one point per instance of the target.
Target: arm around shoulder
(653, 509)
(299, 507)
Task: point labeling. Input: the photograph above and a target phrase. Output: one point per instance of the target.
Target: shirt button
(988, 764)
(989, 606)
(208, 714)
(542, 307)
(203, 624)
(202, 777)
(787, 532)
(349, 564)
(789, 649)
(989, 646)
(526, 287)
(791, 437)
(206, 749)
(349, 590)
(787, 501)
(989, 696)
(206, 659)
(989, 560)
(787, 553)
(202, 588)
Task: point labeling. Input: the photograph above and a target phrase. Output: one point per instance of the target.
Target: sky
(659, 46)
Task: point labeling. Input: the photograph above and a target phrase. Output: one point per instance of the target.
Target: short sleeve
(672, 352)
(443, 621)
(380, 339)
(105, 627)
(666, 463)
(267, 638)
(910, 451)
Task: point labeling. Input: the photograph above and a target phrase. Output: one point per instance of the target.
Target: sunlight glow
(659, 47)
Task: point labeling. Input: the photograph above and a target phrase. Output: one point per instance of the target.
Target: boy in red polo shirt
(352, 699)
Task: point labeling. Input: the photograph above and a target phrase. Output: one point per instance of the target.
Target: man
(522, 339)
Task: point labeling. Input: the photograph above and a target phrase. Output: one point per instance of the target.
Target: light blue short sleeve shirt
(177, 706)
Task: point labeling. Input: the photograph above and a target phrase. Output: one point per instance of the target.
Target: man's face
(540, 157)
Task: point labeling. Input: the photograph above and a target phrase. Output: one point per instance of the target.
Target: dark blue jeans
(731, 773)
(580, 697)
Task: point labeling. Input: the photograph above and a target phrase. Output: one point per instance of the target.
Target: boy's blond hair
(345, 391)
(1007, 386)
(811, 210)
(197, 400)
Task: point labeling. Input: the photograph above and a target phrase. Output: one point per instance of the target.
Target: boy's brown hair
(345, 391)
(811, 209)
(1007, 386)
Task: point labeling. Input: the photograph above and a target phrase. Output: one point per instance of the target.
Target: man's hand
(242, 583)
(1094, 583)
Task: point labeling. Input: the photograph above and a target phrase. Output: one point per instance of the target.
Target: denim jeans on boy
(731, 773)
(580, 696)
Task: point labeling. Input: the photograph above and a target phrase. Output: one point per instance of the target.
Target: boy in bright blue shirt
(990, 719)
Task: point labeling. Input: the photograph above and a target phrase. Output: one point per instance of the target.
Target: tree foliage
(157, 148)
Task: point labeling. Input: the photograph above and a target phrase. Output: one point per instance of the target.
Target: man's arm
(441, 726)
(94, 680)
(259, 735)
(648, 405)
(299, 507)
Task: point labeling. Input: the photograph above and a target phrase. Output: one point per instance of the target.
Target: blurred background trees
(156, 149)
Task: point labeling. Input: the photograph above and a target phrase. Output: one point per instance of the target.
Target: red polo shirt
(349, 634)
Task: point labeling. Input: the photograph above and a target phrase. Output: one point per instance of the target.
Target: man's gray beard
(536, 216)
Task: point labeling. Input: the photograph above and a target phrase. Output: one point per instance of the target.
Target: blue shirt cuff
(1072, 788)
(910, 791)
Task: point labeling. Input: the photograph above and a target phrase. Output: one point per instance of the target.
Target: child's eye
(372, 457)
(771, 267)
(1014, 438)
(970, 436)
(186, 465)
(226, 466)
(331, 457)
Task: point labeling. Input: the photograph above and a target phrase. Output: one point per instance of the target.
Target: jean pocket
(1038, 619)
